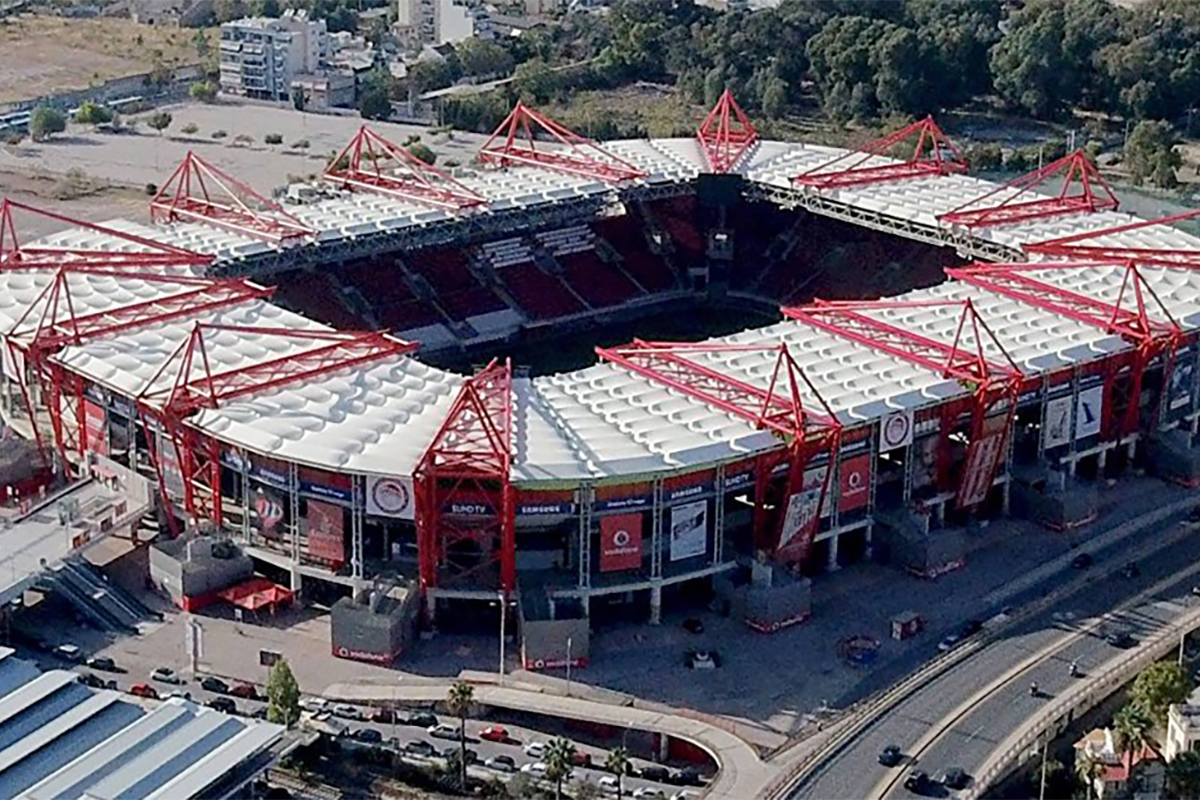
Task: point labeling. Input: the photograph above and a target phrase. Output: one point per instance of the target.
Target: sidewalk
(741, 772)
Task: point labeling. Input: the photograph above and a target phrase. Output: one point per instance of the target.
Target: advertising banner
(984, 457)
(327, 485)
(622, 503)
(326, 532)
(1179, 393)
(896, 430)
(800, 521)
(168, 465)
(689, 530)
(1056, 428)
(1089, 412)
(854, 484)
(814, 479)
(391, 497)
(270, 471)
(620, 542)
(268, 506)
(94, 424)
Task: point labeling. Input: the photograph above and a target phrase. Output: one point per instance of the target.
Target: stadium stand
(628, 240)
(678, 217)
(319, 296)
(541, 296)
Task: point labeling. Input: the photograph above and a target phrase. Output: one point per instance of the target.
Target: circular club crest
(391, 496)
(896, 430)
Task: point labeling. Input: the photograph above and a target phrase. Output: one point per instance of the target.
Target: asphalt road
(855, 772)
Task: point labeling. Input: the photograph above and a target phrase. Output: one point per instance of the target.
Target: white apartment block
(435, 22)
(260, 55)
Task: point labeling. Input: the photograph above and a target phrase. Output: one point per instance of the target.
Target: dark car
(579, 759)
(1081, 561)
(367, 736)
(693, 625)
(890, 756)
(1194, 514)
(1121, 640)
(215, 685)
(421, 719)
(453, 752)
(384, 716)
(956, 778)
(1130, 571)
(917, 781)
(420, 748)
(91, 680)
(971, 627)
(246, 691)
(222, 704)
(655, 773)
(103, 663)
(688, 776)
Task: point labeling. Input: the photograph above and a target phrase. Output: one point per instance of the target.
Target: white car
(347, 712)
(166, 675)
(535, 749)
(535, 768)
(608, 784)
(684, 794)
(443, 731)
(313, 705)
(501, 764)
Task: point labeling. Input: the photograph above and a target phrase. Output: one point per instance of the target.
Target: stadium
(1032, 340)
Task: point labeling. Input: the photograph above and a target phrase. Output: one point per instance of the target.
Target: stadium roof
(606, 420)
(60, 740)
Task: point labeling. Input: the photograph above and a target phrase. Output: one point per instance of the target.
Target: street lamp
(568, 666)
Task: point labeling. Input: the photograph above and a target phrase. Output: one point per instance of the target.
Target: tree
(479, 57)
(159, 121)
(229, 10)
(190, 128)
(1131, 729)
(422, 152)
(1150, 154)
(283, 695)
(618, 763)
(203, 91)
(1183, 775)
(374, 95)
(1087, 770)
(560, 757)
(774, 98)
(1157, 687)
(91, 114)
(46, 121)
(459, 699)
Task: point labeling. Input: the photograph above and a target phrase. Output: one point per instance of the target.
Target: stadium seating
(678, 217)
(627, 239)
(318, 296)
(541, 296)
(601, 285)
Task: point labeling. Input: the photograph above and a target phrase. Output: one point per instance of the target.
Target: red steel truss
(1083, 191)
(1070, 247)
(929, 157)
(372, 163)
(148, 255)
(200, 192)
(778, 408)
(186, 383)
(576, 155)
(995, 385)
(465, 501)
(726, 134)
(1128, 317)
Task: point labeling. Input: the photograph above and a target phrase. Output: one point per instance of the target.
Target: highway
(959, 717)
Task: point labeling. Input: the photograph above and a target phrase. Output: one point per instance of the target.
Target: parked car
(649, 793)
(655, 773)
(91, 680)
(495, 733)
(453, 752)
(103, 663)
(177, 693)
(501, 764)
(1121, 639)
(917, 781)
(1081, 561)
(1130, 571)
(580, 759)
(684, 795)
(214, 684)
(420, 747)
(535, 768)
(384, 716)
(166, 675)
(347, 712)
(443, 731)
(535, 749)
(608, 784)
(367, 736)
(246, 691)
(956, 778)
(421, 719)
(223, 704)
(890, 756)
(971, 627)
(949, 643)
(313, 704)
(69, 652)
(143, 690)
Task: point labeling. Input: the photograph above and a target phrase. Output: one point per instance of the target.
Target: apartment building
(260, 56)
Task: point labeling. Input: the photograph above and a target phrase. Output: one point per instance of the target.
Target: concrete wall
(1172, 457)
(188, 569)
(915, 548)
(765, 596)
(544, 642)
(377, 627)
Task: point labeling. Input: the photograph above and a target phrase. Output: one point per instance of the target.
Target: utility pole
(503, 617)
(569, 666)
(1182, 637)
(1042, 789)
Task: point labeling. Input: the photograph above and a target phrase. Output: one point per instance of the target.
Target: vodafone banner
(854, 484)
(620, 542)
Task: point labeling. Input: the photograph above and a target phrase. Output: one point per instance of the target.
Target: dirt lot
(41, 54)
(86, 199)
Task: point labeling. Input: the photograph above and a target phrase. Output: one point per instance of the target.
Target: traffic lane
(979, 733)
(856, 770)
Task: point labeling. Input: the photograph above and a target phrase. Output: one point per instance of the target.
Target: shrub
(151, 189)
(219, 134)
(190, 128)
(46, 121)
(302, 144)
(273, 138)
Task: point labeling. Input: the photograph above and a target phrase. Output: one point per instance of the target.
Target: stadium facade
(1062, 343)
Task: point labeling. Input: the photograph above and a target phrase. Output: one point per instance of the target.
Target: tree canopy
(283, 695)
(45, 121)
(1157, 687)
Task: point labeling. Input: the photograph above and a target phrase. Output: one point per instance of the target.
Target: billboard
(326, 532)
(1056, 428)
(1179, 393)
(854, 483)
(168, 465)
(1089, 412)
(689, 530)
(983, 459)
(800, 520)
(620, 542)
(95, 427)
(391, 497)
(268, 507)
(896, 430)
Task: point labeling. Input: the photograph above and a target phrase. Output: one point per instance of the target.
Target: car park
(956, 778)
(143, 690)
(166, 675)
(890, 756)
(223, 704)
(501, 764)
(495, 733)
(535, 749)
(103, 663)
(420, 747)
(443, 731)
(215, 685)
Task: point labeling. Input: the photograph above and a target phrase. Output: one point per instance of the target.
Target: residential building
(1183, 729)
(327, 89)
(436, 22)
(260, 56)
(1115, 776)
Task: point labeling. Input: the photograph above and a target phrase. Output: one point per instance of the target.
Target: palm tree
(618, 763)
(560, 762)
(1087, 769)
(1131, 730)
(459, 700)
